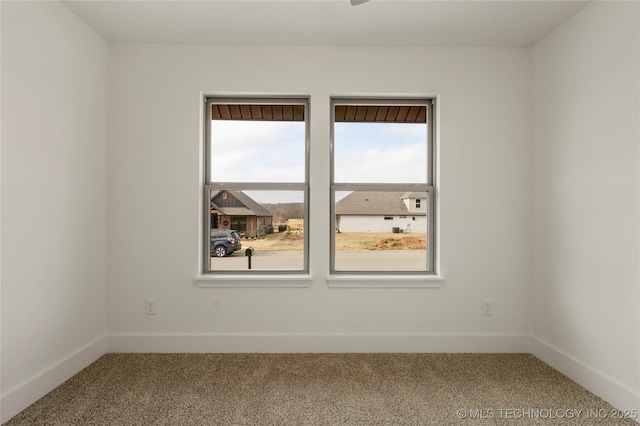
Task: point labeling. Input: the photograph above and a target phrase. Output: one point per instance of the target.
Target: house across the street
(382, 211)
(232, 209)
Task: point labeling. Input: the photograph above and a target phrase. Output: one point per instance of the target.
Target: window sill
(384, 281)
(253, 281)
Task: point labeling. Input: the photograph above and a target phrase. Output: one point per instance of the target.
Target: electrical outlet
(487, 307)
(150, 307)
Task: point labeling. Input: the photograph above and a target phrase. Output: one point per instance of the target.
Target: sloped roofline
(378, 203)
(250, 204)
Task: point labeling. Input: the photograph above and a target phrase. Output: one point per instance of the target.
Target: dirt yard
(344, 242)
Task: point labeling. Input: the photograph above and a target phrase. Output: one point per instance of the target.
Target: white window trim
(206, 277)
(253, 280)
(433, 261)
(337, 281)
(371, 280)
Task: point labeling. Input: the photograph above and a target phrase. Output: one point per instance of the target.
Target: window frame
(428, 187)
(209, 185)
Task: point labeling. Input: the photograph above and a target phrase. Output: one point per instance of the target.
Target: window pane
(271, 222)
(381, 230)
(380, 152)
(257, 151)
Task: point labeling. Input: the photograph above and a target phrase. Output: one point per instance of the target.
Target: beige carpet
(318, 389)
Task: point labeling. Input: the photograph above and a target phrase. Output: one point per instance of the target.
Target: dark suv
(224, 242)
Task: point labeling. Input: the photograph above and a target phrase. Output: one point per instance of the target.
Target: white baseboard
(320, 343)
(615, 393)
(21, 396)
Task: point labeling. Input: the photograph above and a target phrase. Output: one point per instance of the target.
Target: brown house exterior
(232, 209)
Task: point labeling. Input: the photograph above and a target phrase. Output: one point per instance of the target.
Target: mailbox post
(249, 252)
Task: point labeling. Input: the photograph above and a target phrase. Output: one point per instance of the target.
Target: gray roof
(235, 211)
(383, 203)
(414, 195)
(251, 207)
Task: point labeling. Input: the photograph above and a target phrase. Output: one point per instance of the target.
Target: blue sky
(380, 153)
(273, 151)
(257, 151)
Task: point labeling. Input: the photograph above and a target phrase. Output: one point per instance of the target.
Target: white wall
(54, 136)
(154, 163)
(584, 123)
(586, 188)
(369, 223)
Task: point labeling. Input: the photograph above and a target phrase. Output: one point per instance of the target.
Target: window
(255, 185)
(382, 167)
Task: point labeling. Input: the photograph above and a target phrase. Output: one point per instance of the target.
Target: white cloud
(380, 152)
(257, 151)
(404, 164)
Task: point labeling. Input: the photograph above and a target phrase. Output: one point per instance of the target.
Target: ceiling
(326, 22)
